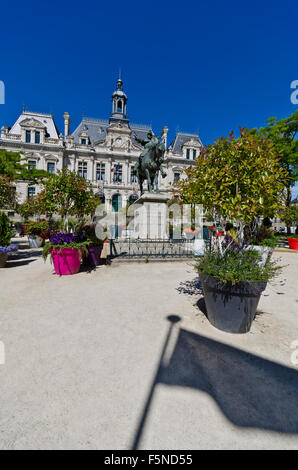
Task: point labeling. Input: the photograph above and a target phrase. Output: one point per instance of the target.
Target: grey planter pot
(231, 308)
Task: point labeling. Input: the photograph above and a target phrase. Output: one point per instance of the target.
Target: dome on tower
(119, 100)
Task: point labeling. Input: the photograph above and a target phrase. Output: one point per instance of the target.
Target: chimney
(66, 124)
(164, 135)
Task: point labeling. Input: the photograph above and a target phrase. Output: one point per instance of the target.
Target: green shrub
(5, 230)
(237, 266)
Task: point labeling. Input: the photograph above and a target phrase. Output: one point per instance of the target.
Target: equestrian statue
(150, 162)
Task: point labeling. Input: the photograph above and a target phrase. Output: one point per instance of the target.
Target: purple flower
(8, 249)
(66, 239)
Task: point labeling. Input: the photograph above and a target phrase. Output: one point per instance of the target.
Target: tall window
(194, 154)
(31, 164)
(37, 137)
(31, 192)
(51, 167)
(83, 167)
(28, 136)
(188, 154)
(118, 174)
(100, 171)
(133, 176)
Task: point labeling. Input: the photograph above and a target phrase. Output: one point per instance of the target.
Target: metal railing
(128, 248)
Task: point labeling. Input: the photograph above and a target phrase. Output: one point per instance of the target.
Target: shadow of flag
(250, 391)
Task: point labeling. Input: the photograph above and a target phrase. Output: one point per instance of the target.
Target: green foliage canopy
(238, 179)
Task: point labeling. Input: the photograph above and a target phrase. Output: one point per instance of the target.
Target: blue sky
(204, 67)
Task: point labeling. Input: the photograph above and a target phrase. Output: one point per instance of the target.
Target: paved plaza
(93, 362)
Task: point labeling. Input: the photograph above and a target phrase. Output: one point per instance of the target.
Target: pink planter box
(67, 262)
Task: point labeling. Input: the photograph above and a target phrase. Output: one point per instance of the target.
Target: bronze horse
(150, 164)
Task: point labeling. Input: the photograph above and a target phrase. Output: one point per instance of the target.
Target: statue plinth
(153, 216)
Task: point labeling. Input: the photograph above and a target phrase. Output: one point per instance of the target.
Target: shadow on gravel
(192, 287)
(17, 263)
(250, 391)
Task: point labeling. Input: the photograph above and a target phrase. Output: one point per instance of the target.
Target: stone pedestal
(153, 216)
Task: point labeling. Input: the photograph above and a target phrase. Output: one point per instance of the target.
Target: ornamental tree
(36, 206)
(11, 165)
(283, 134)
(7, 193)
(290, 216)
(69, 194)
(236, 178)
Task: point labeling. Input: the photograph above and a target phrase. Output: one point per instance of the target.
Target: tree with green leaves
(7, 193)
(236, 179)
(68, 194)
(290, 216)
(283, 134)
(16, 168)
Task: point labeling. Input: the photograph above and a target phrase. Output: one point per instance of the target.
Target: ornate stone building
(102, 151)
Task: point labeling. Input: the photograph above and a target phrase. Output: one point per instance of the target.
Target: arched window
(119, 106)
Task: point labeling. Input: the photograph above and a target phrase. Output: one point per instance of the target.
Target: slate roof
(180, 140)
(97, 129)
(46, 120)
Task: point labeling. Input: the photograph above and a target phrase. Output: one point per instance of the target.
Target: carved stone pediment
(192, 143)
(30, 122)
(118, 128)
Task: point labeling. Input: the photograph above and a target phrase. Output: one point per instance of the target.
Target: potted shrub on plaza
(92, 259)
(236, 180)
(37, 232)
(66, 251)
(5, 238)
(232, 286)
(68, 195)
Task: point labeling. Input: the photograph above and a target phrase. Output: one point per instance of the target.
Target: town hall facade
(102, 151)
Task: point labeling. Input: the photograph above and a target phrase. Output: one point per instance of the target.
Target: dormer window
(37, 137)
(187, 154)
(84, 141)
(28, 137)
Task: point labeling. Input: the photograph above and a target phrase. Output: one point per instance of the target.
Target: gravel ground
(92, 361)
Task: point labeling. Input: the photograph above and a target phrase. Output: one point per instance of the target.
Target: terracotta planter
(67, 261)
(3, 259)
(293, 243)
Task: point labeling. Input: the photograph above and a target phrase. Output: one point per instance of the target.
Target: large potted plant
(37, 232)
(93, 258)
(5, 238)
(66, 251)
(236, 180)
(232, 284)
